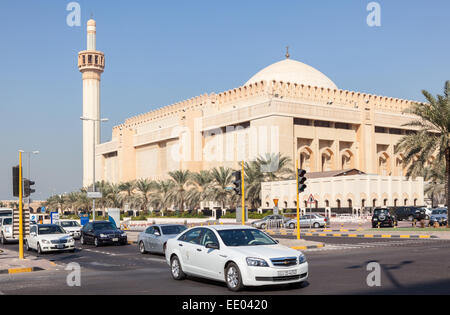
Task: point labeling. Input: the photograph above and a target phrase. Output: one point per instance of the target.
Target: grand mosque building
(287, 107)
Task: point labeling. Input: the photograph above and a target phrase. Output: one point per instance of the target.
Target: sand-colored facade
(324, 128)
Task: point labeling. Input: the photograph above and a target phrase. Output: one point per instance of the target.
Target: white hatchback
(237, 255)
(49, 237)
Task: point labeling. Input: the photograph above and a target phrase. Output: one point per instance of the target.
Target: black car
(102, 232)
(410, 213)
(382, 217)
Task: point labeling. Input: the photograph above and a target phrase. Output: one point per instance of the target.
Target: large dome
(293, 71)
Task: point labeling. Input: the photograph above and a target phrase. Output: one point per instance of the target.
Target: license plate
(115, 239)
(287, 273)
(60, 246)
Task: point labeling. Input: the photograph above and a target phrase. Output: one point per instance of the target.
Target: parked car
(47, 238)
(383, 217)
(155, 237)
(273, 219)
(6, 230)
(439, 215)
(72, 227)
(237, 255)
(309, 220)
(409, 213)
(102, 232)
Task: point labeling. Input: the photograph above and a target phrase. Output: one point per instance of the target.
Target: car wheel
(164, 248)
(39, 250)
(263, 226)
(142, 247)
(2, 239)
(292, 226)
(410, 218)
(27, 247)
(233, 278)
(96, 242)
(316, 225)
(82, 240)
(176, 270)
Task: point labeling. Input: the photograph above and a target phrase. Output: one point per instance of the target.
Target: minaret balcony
(91, 60)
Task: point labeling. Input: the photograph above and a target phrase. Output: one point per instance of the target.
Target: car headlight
(301, 259)
(256, 262)
(375, 219)
(45, 242)
(103, 235)
(124, 233)
(70, 239)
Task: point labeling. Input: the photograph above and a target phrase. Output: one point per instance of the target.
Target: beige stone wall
(324, 129)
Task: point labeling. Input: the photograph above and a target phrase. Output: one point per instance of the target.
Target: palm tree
(434, 177)
(179, 195)
(112, 196)
(126, 192)
(222, 182)
(143, 187)
(200, 190)
(432, 136)
(270, 167)
(161, 197)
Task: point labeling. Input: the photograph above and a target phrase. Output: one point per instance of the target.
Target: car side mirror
(33, 234)
(212, 245)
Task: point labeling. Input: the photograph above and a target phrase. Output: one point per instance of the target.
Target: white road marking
(366, 245)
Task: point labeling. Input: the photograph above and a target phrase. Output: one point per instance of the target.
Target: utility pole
(20, 208)
(298, 201)
(243, 194)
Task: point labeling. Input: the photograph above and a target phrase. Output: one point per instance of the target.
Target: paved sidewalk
(10, 263)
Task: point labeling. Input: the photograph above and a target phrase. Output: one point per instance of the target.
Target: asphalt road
(408, 267)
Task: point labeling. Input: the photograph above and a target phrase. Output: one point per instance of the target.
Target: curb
(20, 270)
(285, 233)
(308, 247)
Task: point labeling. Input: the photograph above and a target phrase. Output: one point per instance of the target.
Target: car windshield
(245, 237)
(50, 229)
(440, 211)
(69, 224)
(7, 221)
(172, 229)
(104, 226)
(381, 211)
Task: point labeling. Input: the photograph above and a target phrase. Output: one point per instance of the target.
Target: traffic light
(27, 189)
(237, 183)
(15, 175)
(301, 180)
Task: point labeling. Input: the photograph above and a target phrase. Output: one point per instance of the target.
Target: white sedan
(49, 237)
(72, 227)
(238, 255)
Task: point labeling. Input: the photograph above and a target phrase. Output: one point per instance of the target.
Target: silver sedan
(155, 237)
(308, 220)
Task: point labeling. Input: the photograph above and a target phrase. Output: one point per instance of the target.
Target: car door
(209, 260)
(189, 249)
(89, 232)
(146, 238)
(32, 239)
(157, 239)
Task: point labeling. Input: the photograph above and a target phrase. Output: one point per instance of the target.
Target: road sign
(275, 202)
(54, 217)
(311, 199)
(94, 194)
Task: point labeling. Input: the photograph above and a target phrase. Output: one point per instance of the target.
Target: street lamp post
(93, 158)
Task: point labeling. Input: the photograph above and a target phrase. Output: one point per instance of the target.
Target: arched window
(338, 202)
(350, 203)
(395, 202)
(374, 203)
(405, 202)
(363, 203)
(385, 202)
(327, 203)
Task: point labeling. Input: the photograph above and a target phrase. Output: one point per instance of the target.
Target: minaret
(91, 64)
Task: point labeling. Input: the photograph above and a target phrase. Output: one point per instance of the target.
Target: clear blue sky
(160, 52)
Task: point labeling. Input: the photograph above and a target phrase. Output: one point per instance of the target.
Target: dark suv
(383, 217)
(410, 213)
